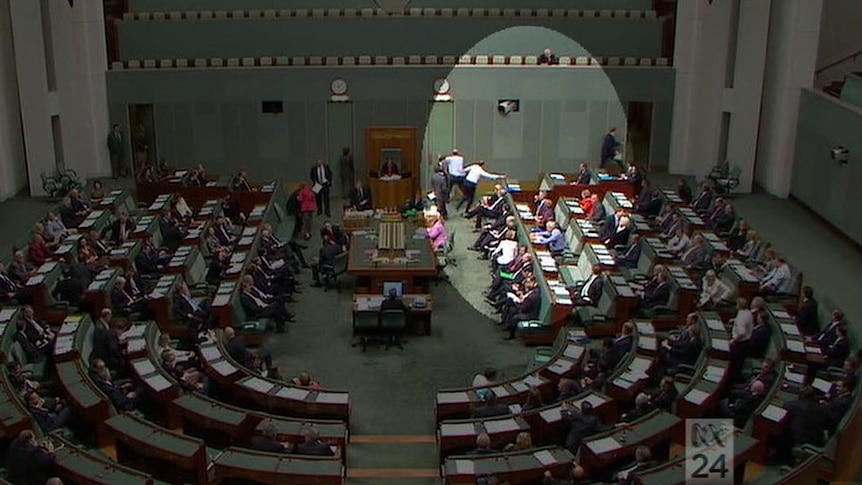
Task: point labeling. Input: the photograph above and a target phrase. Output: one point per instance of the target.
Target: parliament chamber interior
(419, 242)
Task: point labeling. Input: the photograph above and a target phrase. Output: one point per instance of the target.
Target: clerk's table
(412, 259)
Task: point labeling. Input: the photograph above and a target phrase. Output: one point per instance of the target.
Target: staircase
(392, 459)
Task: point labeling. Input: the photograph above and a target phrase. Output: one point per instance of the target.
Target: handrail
(836, 62)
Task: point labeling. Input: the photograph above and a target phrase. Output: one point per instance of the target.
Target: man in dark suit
(697, 255)
(643, 459)
(648, 203)
(440, 187)
(261, 305)
(805, 423)
(38, 333)
(268, 441)
(326, 258)
(581, 424)
(766, 375)
(547, 58)
(623, 343)
(393, 302)
(806, 314)
(122, 396)
(619, 235)
(828, 335)
(591, 291)
(597, 213)
(490, 408)
(117, 151)
(106, 341)
(312, 445)
(703, 201)
(632, 254)
(835, 407)
(48, 418)
(641, 409)
(119, 231)
(835, 354)
(685, 347)
(544, 207)
(741, 409)
(123, 303)
(335, 234)
(666, 395)
(760, 336)
(360, 197)
(609, 146)
(28, 462)
(584, 176)
(656, 292)
(526, 308)
(10, 290)
(185, 308)
(322, 175)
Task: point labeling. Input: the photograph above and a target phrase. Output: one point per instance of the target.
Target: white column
(703, 34)
(13, 171)
(34, 100)
(791, 59)
(700, 53)
(746, 94)
(81, 61)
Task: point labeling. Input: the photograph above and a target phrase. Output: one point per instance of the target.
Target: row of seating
(496, 60)
(370, 12)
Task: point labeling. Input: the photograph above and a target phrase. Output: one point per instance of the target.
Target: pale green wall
(379, 36)
(829, 188)
(213, 116)
(183, 5)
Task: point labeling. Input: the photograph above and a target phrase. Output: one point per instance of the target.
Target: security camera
(506, 106)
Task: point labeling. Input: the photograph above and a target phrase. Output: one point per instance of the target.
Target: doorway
(142, 130)
(639, 130)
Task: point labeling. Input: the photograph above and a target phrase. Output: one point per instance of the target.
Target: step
(378, 480)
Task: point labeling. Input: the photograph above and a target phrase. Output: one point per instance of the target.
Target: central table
(416, 260)
(370, 305)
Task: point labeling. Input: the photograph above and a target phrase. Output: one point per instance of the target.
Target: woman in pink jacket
(307, 206)
(437, 234)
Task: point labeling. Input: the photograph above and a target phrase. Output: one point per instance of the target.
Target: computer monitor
(398, 286)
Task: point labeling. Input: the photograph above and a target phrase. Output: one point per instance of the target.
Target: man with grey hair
(54, 481)
(312, 445)
(268, 440)
(641, 408)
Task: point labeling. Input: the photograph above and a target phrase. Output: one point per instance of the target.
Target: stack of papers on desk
(715, 325)
(790, 329)
(714, 374)
(696, 396)
(457, 429)
(774, 413)
(604, 445)
(796, 346)
(822, 385)
(545, 457)
(36, 280)
(781, 314)
(464, 467)
(501, 425)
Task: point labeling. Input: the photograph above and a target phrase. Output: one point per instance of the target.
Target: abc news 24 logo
(709, 452)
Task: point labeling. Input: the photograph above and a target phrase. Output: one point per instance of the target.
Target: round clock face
(338, 86)
(441, 86)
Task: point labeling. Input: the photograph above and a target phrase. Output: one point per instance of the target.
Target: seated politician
(389, 168)
(552, 237)
(360, 197)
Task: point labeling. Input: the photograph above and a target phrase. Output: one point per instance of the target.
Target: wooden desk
(392, 265)
(117, 200)
(549, 425)
(391, 193)
(14, 416)
(83, 467)
(370, 304)
(166, 454)
(88, 401)
(613, 448)
(673, 472)
(238, 465)
(704, 391)
(160, 303)
(517, 467)
(123, 256)
(270, 395)
(566, 362)
(459, 436)
(98, 293)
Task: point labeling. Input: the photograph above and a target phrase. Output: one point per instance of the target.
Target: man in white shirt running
(471, 179)
(455, 171)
